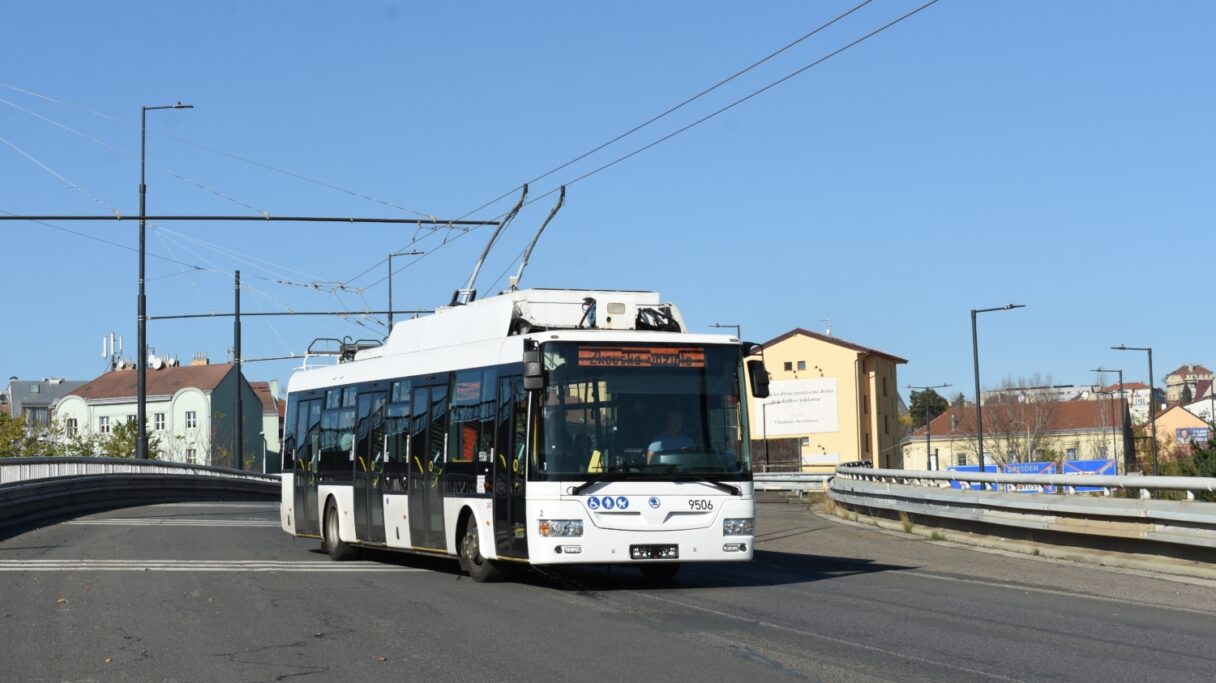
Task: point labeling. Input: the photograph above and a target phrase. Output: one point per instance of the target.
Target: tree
(1187, 396)
(1018, 422)
(120, 443)
(927, 402)
(12, 435)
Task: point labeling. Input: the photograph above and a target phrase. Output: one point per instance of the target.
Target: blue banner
(1103, 467)
(1030, 468)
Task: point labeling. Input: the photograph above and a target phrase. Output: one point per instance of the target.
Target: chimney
(200, 358)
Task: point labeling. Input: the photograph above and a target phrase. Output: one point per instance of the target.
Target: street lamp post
(1152, 400)
(141, 381)
(390, 283)
(975, 356)
(738, 329)
(1122, 403)
(928, 422)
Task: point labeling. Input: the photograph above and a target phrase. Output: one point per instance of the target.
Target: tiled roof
(832, 340)
(1127, 386)
(1190, 369)
(1062, 416)
(163, 382)
(269, 402)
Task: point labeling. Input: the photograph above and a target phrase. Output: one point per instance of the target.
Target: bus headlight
(561, 527)
(737, 527)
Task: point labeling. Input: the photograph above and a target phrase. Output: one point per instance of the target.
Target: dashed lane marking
(163, 521)
(42, 565)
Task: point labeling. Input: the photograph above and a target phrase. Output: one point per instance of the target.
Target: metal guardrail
(14, 470)
(926, 496)
(1066, 482)
(36, 491)
(797, 482)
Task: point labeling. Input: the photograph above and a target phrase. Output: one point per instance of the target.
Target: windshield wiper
(615, 475)
(732, 490)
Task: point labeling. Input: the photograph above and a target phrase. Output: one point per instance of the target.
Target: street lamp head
(179, 105)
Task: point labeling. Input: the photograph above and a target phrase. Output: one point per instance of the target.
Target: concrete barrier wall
(35, 502)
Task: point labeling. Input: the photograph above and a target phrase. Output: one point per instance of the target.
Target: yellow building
(836, 400)
(1177, 428)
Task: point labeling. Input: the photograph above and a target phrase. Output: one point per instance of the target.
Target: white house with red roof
(190, 412)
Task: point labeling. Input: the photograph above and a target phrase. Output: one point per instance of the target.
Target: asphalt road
(209, 592)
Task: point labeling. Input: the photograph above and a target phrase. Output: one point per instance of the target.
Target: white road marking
(164, 521)
(42, 565)
(830, 639)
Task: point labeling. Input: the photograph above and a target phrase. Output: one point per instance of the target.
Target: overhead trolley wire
(220, 152)
(695, 123)
(737, 102)
(673, 109)
(119, 150)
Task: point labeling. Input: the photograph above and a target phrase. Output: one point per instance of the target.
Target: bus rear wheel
(338, 549)
(471, 560)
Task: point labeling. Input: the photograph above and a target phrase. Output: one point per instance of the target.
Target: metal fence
(977, 500)
(14, 470)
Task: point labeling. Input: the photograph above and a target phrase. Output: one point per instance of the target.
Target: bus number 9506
(700, 504)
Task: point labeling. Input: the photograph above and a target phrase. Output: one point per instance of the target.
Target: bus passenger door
(370, 447)
(428, 456)
(308, 430)
(510, 469)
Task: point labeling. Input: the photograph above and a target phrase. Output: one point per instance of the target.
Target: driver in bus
(673, 437)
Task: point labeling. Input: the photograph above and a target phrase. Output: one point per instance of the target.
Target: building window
(884, 386)
(159, 422)
(130, 419)
(191, 419)
(802, 365)
(789, 366)
(1070, 453)
(103, 425)
(35, 389)
(962, 460)
(192, 456)
(885, 427)
(1102, 452)
(71, 426)
(806, 442)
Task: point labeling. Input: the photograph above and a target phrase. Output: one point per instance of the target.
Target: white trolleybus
(537, 426)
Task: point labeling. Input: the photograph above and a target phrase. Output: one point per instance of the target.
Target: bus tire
(471, 560)
(660, 571)
(338, 549)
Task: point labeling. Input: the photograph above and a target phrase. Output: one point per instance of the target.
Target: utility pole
(238, 450)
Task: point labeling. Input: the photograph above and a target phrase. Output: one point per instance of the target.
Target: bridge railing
(37, 491)
(927, 497)
(1066, 483)
(796, 482)
(13, 470)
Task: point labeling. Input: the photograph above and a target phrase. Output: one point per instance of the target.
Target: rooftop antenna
(827, 323)
(561, 199)
(467, 294)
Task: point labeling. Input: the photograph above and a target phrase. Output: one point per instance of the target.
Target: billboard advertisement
(970, 468)
(1189, 434)
(1030, 468)
(800, 406)
(1103, 467)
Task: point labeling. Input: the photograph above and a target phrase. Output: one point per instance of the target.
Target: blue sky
(1058, 155)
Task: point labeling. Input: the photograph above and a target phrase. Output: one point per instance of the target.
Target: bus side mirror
(759, 378)
(534, 370)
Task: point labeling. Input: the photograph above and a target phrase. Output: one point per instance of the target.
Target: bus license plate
(654, 552)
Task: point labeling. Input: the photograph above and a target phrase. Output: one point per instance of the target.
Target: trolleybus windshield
(644, 411)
